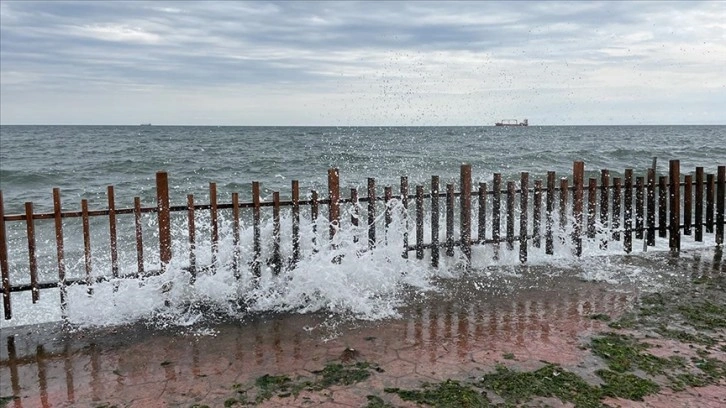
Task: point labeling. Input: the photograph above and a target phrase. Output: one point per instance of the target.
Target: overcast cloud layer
(363, 63)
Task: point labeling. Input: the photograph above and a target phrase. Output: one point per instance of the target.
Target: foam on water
(83, 160)
(342, 277)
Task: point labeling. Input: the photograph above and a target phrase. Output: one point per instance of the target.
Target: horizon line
(360, 126)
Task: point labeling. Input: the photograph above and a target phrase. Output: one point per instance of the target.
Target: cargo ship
(512, 122)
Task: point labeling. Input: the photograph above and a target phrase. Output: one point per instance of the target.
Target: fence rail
(627, 207)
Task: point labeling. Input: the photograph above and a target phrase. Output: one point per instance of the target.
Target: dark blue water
(83, 160)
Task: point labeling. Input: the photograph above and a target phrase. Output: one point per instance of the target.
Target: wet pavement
(458, 333)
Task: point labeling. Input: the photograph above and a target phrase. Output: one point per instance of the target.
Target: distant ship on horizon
(145, 124)
(512, 122)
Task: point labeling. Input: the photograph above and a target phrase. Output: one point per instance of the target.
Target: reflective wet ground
(520, 316)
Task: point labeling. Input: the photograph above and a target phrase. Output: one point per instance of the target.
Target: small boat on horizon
(512, 122)
(145, 124)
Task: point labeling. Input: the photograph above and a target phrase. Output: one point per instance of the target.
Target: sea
(84, 160)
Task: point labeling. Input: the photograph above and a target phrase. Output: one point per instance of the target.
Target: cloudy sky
(362, 63)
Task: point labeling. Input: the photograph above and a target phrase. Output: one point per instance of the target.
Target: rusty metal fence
(629, 207)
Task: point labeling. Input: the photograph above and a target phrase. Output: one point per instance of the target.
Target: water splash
(343, 277)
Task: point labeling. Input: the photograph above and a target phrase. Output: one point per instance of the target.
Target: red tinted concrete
(438, 338)
(457, 335)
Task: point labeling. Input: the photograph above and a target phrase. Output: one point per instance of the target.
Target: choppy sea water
(83, 160)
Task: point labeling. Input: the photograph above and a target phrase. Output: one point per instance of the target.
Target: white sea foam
(341, 276)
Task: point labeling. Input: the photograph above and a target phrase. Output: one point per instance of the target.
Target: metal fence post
(162, 204)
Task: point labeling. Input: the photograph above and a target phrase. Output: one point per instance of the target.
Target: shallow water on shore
(529, 313)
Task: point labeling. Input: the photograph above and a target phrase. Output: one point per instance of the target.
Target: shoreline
(452, 338)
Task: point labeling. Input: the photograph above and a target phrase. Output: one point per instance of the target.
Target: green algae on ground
(445, 394)
(688, 312)
(626, 385)
(600, 316)
(693, 314)
(339, 374)
(4, 401)
(375, 401)
(624, 353)
(626, 321)
(269, 385)
(549, 381)
(704, 314)
(681, 381)
(684, 336)
(713, 368)
(282, 386)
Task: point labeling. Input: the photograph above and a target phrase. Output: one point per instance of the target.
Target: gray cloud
(395, 62)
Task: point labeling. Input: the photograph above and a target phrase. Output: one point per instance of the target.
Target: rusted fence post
(617, 201)
(435, 221)
(235, 236)
(465, 197)
(496, 211)
(60, 253)
(536, 214)
(334, 200)
(699, 204)
(523, 201)
(709, 202)
(650, 200)
(257, 245)
(355, 213)
(550, 208)
(139, 236)
(4, 268)
(162, 205)
(591, 206)
(687, 204)
(276, 257)
(388, 213)
(314, 209)
(214, 224)
(564, 190)
(112, 231)
(32, 260)
(404, 201)
(674, 181)
(578, 177)
(720, 191)
(192, 238)
(295, 186)
(639, 205)
(419, 222)
(371, 213)
(604, 206)
(87, 243)
(482, 223)
(628, 212)
(450, 198)
(511, 191)
(662, 206)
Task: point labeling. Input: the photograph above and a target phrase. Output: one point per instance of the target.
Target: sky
(362, 63)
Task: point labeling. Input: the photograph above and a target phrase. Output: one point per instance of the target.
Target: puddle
(520, 316)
